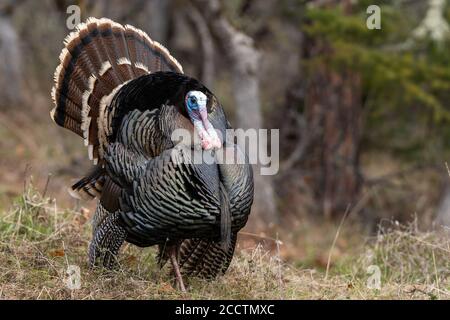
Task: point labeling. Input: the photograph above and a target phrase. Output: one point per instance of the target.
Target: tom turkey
(125, 95)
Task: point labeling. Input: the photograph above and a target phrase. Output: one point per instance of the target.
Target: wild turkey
(126, 95)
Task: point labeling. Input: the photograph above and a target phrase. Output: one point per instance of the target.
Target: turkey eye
(193, 100)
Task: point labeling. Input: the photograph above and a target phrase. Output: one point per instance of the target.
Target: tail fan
(98, 59)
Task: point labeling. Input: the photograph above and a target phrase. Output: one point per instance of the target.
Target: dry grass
(38, 242)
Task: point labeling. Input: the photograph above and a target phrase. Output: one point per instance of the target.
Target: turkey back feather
(98, 59)
(225, 218)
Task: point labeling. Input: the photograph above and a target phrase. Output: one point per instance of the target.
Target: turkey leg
(176, 268)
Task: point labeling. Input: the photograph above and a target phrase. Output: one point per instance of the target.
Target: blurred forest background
(364, 115)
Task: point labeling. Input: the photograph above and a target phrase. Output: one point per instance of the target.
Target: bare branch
(434, 23)
(206, 42)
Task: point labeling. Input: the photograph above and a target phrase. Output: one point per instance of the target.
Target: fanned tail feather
(98, 58)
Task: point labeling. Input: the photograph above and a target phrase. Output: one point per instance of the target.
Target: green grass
(38, 241)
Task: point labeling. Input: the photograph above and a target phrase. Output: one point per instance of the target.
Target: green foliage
(405, 81)
(28, 218)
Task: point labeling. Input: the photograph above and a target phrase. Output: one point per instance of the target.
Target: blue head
(195, 102)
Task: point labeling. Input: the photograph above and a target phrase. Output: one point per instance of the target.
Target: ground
(39, 241)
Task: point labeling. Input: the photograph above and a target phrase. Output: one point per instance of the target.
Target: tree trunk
(333, 104)
(11, 66)
(157, 15)
(333, 109)
(443, 212)
(244, 61)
